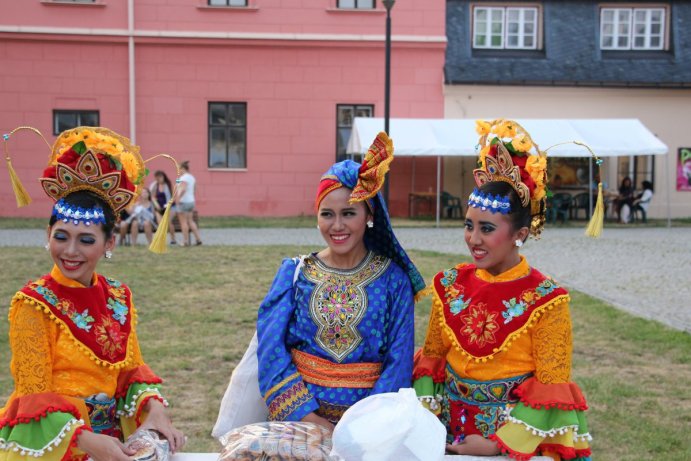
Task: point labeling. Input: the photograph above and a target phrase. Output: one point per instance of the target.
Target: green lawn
(198, 306)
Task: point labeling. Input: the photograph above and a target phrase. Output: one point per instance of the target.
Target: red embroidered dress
(70, 342)
(498, 351)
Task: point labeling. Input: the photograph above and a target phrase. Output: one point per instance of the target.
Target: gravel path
(646, 272)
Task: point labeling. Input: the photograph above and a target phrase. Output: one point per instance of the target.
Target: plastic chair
(581, 202)
(451, 206)
(558, 206)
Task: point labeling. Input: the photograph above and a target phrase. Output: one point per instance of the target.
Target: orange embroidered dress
(497, 362)
(76, 365)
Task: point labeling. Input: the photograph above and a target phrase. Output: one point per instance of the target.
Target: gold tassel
(598, 219)
(158, 243)
(20, 193)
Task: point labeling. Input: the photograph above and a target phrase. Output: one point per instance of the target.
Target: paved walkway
(644, 271)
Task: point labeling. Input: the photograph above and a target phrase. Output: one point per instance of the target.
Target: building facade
(257, 94)
(577, 59)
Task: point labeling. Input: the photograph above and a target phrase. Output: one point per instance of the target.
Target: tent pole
(438, 187)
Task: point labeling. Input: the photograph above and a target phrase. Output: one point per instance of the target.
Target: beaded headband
(495, 204)
(67, 213)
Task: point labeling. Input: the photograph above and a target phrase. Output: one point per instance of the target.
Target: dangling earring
(519, 243)
(370, 224)
(318, 227)
(108, 254)
(46, 246)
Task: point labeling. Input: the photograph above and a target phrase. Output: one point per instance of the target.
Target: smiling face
(76, 249)
(342, 224)
(492, 240)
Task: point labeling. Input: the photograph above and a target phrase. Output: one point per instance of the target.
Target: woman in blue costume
(337, 325)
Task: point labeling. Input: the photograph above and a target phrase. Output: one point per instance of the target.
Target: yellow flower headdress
(509, 154)
(95, 159)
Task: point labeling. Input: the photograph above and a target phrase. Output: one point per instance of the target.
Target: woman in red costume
(496, 362)
(80, 383)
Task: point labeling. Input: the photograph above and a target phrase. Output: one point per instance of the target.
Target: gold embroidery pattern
(552, 346)
(339, 302)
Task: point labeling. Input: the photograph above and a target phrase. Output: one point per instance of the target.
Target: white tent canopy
(457, 137)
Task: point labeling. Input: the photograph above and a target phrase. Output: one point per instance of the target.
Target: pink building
(254, 95)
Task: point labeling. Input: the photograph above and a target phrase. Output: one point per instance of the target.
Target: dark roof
(571, 55)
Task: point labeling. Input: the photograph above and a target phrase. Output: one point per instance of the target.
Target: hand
(316, 419)
(158, 420)
(101, 447)
(474, 445)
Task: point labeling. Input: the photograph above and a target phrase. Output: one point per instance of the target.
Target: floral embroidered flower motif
(479, 325)
(546, 287)
(83, 321)
(47, 293)
(449, 277)
(109, 337)
(513, 309)
(489, 419)
(119, 310)
(457, 305)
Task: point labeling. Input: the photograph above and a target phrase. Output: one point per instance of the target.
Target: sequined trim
(315, 370)
(289, 401)
(331, 411)
(339, 302)
(492, 392)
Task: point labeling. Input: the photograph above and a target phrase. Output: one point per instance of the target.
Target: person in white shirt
(185, 205)
(643, 199)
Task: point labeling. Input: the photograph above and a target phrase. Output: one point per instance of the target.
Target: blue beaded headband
(67, 213)
(495, 204)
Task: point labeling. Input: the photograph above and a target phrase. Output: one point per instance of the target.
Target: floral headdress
(94, 159)
(508, 154)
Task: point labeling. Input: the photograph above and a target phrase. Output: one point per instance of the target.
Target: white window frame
(504, 12)
(357, 5)
(624, 34)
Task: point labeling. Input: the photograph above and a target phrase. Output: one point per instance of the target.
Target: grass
(198, 307)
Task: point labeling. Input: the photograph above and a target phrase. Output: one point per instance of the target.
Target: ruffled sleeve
(137, 384)
(430, 360)
(282, 387)
(36, 421)
(549, 418)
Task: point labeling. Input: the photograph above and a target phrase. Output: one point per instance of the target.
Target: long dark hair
(89, 200)
(519, 215)
(165, 179)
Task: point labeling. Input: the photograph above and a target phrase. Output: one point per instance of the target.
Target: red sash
(483, 316)
(99, 317)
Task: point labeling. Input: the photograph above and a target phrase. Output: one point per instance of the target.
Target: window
(68, 119)
(356, 4)
(632, 28)
(513, 28)
(227, 2)
(227, 135)
(345, 113)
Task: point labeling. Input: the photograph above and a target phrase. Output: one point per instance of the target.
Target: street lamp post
(388, 4)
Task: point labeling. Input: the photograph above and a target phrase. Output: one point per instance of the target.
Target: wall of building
(292, 62)
(661, 110)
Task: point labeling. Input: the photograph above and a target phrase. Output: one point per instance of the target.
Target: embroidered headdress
(94, 159)
(365, 180)
(509, 154)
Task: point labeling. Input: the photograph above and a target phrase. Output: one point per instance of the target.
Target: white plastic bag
(242, 403)
(391, 426)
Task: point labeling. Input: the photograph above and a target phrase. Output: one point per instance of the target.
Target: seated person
(642, 200)
(141, 217)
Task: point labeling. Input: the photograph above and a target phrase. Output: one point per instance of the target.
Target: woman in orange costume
(496, 362)
(81, 385)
